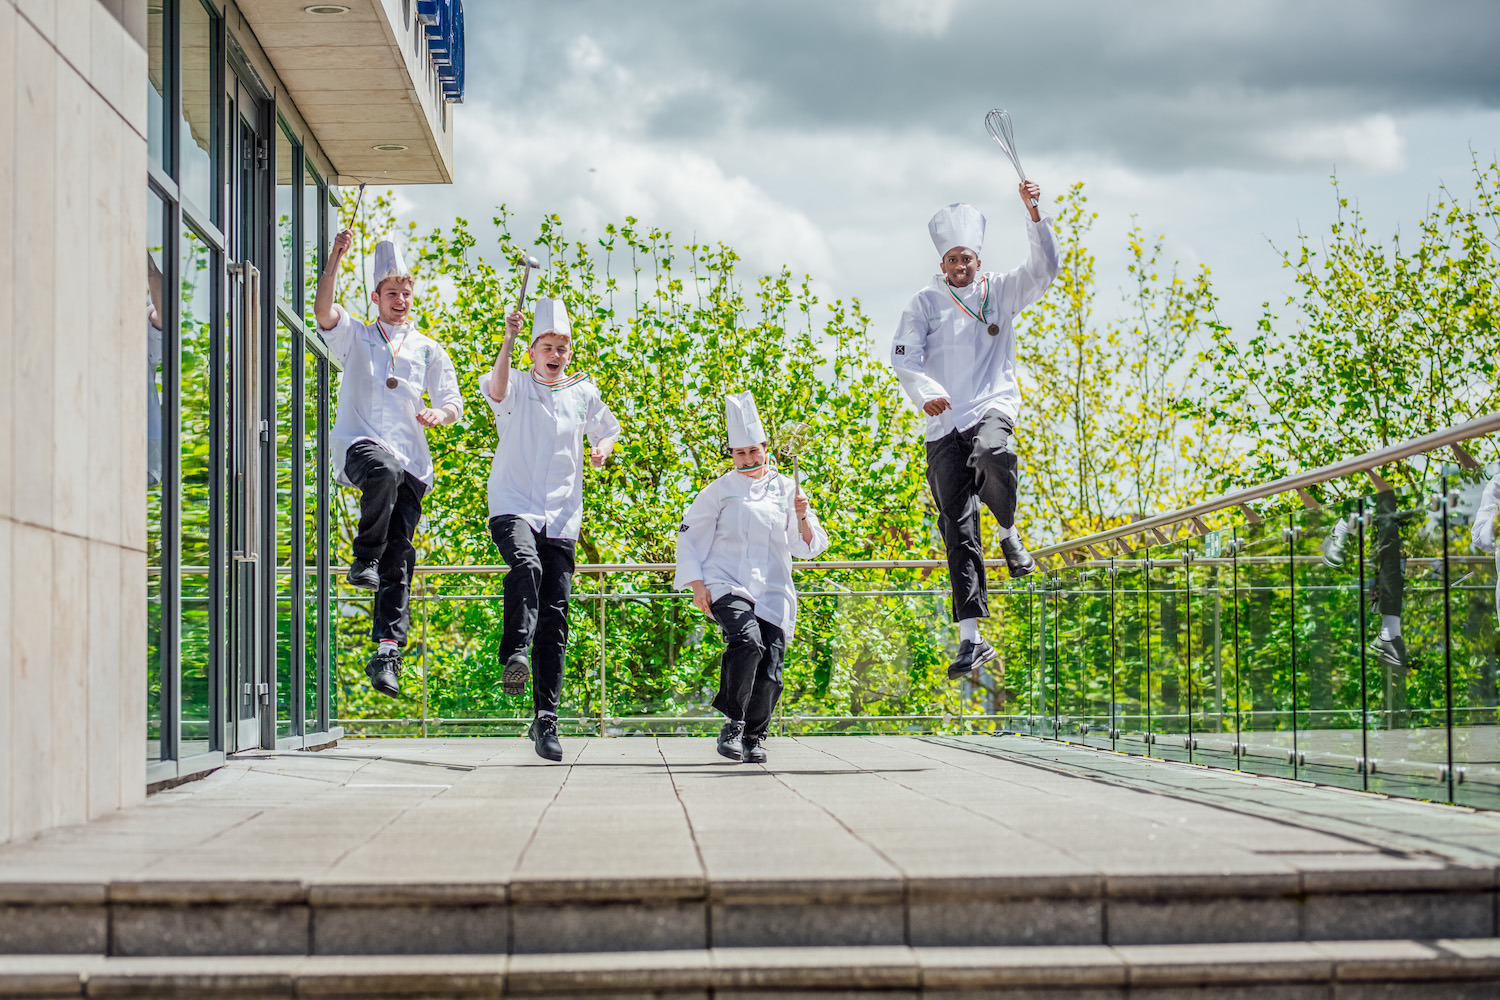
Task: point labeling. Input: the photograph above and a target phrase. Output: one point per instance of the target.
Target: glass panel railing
(1473, 605)
(1132, 649)
(1263, 631)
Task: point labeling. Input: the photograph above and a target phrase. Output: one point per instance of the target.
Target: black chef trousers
(750, 670)
(390, 505)
(965, 469)
(536, 603)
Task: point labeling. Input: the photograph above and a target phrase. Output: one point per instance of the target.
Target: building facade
(164, 525)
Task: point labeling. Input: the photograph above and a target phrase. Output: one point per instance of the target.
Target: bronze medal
(994, 329)
(391, 382)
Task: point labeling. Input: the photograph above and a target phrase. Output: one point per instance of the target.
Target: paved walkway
(854, 809)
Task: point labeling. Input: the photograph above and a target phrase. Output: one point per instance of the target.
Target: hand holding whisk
(997, 123)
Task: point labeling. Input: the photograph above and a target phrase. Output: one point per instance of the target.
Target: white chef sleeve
(1027, 283)
(1482, 534)
(342, 336)
(909, 355)
(599, 423)
(442, 383)
(695, 536)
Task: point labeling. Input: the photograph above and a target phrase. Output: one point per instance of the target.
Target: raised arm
(1029, 282)
(500, 373)
(323, 300)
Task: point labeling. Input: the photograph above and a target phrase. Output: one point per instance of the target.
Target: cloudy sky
(822, 134)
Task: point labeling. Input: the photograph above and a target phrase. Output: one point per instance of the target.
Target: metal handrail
(1447, 437)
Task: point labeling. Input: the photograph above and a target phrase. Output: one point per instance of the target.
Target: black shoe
(1390, 652)
(364, 574)
(543, 733)
(755, 749)
(384, 669)
(730, 743)
(971, 656)
(1017, 559)
(515, 674)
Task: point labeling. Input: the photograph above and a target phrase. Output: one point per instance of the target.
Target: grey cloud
(1162, 85)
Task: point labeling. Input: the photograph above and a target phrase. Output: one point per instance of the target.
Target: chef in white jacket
(379, 437)
(734, 552)
(1482, 534)
(955, 355)
(542, 415)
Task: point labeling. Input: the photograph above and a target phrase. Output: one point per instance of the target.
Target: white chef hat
(389, 262)
(745, 428)
(957, 225)
(551, 317)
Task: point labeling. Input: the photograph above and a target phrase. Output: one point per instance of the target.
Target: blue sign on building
(443, 22)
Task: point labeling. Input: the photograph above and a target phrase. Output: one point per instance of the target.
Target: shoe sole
(513, 679)
(1019, 571)
(547, 756)
(371, 587)
(973, 666)
(390, 691)
(731, 756)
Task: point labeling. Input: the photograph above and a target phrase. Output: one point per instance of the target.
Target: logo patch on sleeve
(900, 348)
(683, 528)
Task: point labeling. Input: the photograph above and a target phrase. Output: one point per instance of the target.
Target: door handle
(248, 549)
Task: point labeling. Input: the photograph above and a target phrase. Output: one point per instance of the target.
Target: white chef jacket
(1482, 534)
(368, 410)
(537, 472)
(739, 536)
(940, 351)
(153, 403)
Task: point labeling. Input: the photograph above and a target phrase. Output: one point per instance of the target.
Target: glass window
(201, 489)
(158, 71)
(155, 307)
(315, 486)
(312, 236)
(288, 530)
(198, 64)
(285, 251)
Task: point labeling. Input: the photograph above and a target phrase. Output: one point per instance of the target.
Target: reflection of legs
(1390, 588)
(549, 650)
(398, 559)
(956, 495)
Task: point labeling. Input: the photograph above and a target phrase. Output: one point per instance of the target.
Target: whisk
(997, 123)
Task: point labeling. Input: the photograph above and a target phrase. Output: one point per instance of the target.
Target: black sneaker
(364, 574)
(1390, 652)
(731, 744)
(543, 733)
(971, 656)
(515, 673)
(384, 669)
(755, 750)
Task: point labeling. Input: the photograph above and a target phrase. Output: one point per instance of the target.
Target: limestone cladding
(72, 467)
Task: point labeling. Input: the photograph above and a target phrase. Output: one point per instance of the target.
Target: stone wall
(72, 442)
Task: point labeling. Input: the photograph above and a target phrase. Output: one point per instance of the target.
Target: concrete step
(142, 918)
(1336, 970)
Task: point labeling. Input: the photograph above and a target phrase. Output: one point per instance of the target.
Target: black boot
(384, 669)
(731, 744)
(1017, 559)
(971, 656)
(514, 674)
(364, 574)
(755, 749)
(543, 733)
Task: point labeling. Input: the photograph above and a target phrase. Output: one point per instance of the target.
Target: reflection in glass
(313, 200)
(288, 531)
(314, 490)
(1473, 606)
(286, 232)
(1263, 632)
(200, 455)
(158, 72)
(197, 131)
(155, 239)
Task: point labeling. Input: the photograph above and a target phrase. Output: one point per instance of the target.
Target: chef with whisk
(734, 552)
(955, 355)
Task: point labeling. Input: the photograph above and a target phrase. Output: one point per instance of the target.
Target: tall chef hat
(389, 263)
(745, 428)
(957, 225)
(551, 317)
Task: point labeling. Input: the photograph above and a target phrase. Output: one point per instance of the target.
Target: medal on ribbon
(395, 350)
(993, 329)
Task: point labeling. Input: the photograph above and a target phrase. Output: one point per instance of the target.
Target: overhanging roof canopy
(364, 78)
